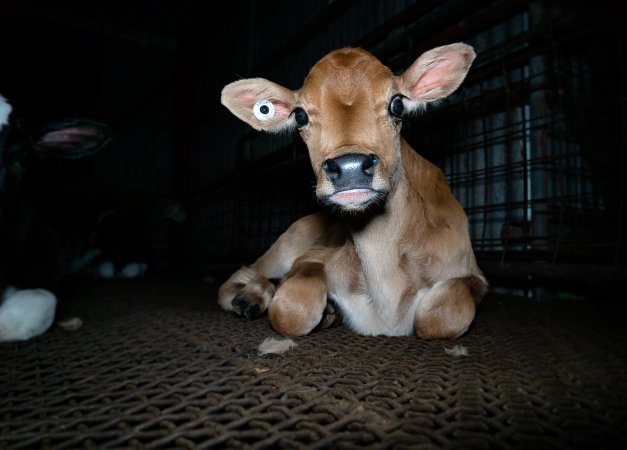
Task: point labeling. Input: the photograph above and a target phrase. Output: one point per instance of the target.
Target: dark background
(153, 72)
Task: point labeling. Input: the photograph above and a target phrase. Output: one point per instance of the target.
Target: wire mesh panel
(532, 143)
(517, 151)
(237, 222)
(211, 227)
(156, 364)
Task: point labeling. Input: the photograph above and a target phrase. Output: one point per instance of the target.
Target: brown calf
(394, 251)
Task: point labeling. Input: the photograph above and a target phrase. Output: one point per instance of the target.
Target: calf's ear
(71, 138)
(262, 104)
(436, 74)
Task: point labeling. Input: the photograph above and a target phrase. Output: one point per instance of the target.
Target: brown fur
(397, 258)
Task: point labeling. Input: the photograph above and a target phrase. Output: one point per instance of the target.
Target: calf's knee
(447, 310)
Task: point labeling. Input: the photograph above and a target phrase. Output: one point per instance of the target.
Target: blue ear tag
(263, 110)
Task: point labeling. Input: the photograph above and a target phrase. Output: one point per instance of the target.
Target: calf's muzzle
(351, 171)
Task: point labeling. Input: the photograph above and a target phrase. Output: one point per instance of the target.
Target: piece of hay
(458, 350)
(272, 345)
(71, 324)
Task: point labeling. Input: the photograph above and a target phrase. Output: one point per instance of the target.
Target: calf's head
(349, 113)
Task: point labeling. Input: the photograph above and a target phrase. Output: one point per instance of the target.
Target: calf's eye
(300, 116)
(396, 106)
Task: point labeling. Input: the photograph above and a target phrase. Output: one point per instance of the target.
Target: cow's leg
(249, 291)
(246, 292)
(300, 301)
(447, 309)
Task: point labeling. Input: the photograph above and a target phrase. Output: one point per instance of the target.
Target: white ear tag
(263, 110)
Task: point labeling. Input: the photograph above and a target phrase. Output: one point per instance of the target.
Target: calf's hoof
(243, 306)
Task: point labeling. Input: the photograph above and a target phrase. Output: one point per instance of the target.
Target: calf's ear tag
(263, 110)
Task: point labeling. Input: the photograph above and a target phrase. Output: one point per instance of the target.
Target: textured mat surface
(157, 365)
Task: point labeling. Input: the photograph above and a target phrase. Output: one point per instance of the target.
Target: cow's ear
(71, 138)
(436, 74)
(262, 104)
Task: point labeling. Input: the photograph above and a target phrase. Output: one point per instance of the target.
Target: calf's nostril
(331, 168)
(369, 164)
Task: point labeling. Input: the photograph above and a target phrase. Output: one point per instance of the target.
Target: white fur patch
(105, 269)
(134, 270)
(272, 345)
(26, 313)
(5, 111)
(458, 350)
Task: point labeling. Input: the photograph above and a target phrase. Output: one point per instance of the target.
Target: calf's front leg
(447, 309)
(300, 301)
(249, 292)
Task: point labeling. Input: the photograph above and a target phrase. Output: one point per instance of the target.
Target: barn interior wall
(532, 144)
(113, 63)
